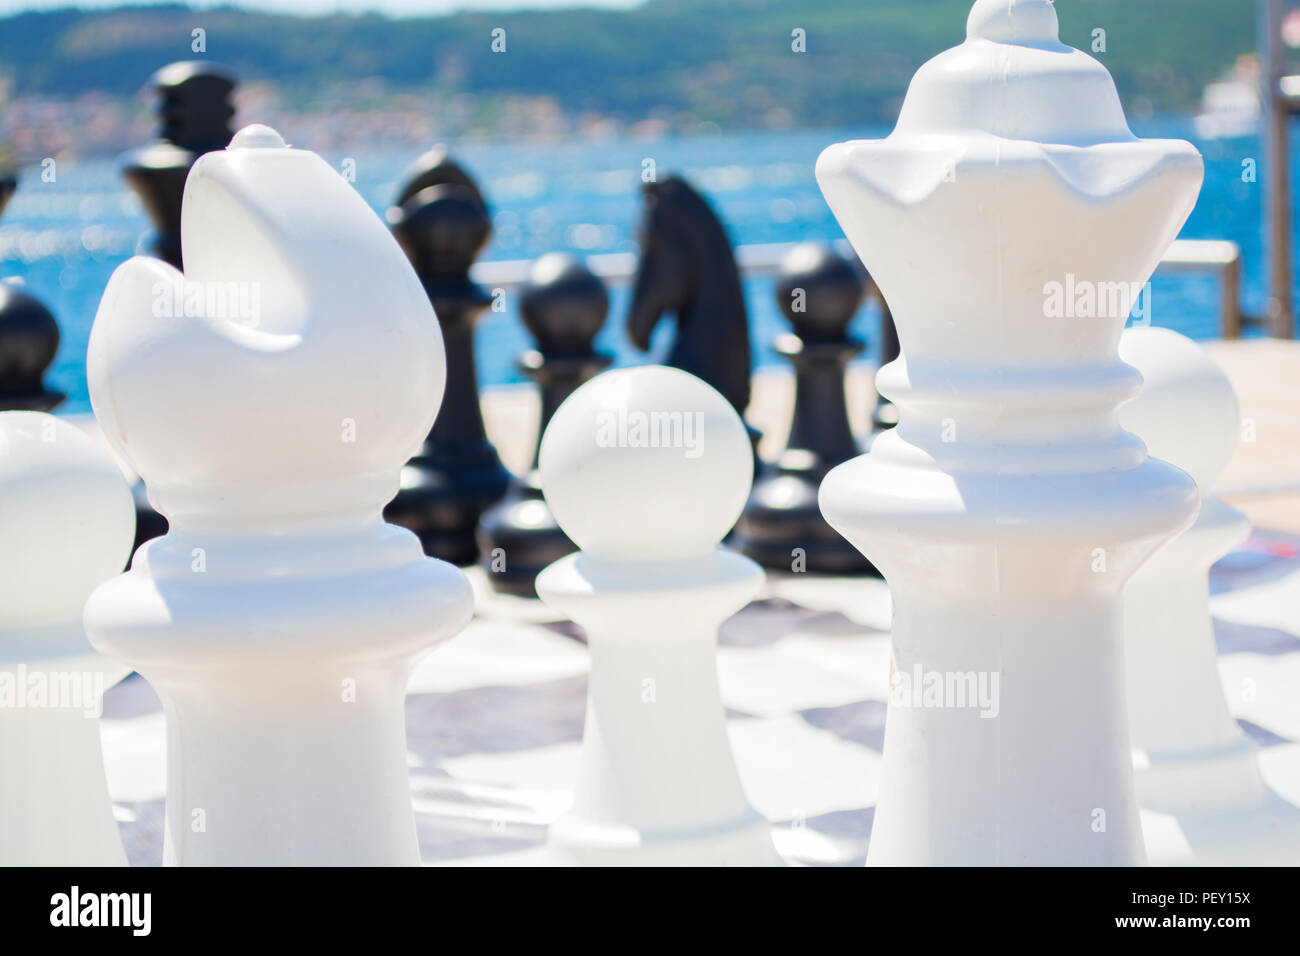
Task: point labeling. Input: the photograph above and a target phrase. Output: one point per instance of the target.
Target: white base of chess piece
(54, 803)
(291, 750)
(66, 524)
(657, 784)
(279, 617)
(1007, 508)
(1193, 762)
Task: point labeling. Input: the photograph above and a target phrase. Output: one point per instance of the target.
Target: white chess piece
(66, 525)
(646, 470)
(280, 616)
(1193, 761)
(1007, 219)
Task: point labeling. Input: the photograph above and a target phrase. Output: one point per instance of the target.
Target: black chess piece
(687, 267)
(443, 224)
(194, 112)
(29, 340)
(782, 526)
(564, 306)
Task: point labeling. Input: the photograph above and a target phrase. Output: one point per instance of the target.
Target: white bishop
(280, 616)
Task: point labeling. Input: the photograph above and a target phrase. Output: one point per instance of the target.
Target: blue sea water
(65, 237)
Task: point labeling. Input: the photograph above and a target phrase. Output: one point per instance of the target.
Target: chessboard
(494, 716)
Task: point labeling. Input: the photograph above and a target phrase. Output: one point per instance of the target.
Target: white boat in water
(1230, 107)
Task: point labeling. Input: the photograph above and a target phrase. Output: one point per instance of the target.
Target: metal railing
(762, 260)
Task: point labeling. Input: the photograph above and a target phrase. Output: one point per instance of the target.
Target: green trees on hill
(726, 61)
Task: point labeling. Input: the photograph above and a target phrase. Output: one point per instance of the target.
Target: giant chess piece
(443, 224)
(29, 340)
(1194, 763)
(1008, 508)
(646, 469)
(687, 268)
(65, 526)
(782, 528)
(279, 618)
(194, 113)
(563, 305)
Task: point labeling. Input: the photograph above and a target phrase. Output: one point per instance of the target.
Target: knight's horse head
(687, 268)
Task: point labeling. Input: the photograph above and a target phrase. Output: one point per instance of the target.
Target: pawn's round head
(819, 291)
(563, 305)
(67, 519)
(1187, 411)
(647, 465)
(442, 229)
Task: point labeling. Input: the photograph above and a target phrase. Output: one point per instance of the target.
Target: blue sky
(391, 7)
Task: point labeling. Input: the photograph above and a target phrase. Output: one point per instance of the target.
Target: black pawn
(194, 112)
(443, 224)
(29, 339)
(782, 527)
(564, 306)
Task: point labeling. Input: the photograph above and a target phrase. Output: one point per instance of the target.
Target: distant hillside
(724, 61)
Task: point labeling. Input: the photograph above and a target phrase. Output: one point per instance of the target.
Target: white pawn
(1193, 762)
(646, 470)
(66, 525)
(269, 398)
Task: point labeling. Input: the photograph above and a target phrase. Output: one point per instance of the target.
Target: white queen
(1008, 508)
